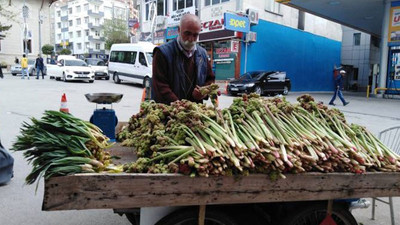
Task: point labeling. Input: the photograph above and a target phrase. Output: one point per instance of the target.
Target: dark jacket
(339, 82)
(174, 75)
(39, 63)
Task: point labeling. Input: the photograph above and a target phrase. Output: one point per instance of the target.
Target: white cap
(342, 71)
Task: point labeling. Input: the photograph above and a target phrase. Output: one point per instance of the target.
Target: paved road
(22, 99)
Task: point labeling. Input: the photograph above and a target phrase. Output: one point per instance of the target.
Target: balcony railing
(64, 18)
(95, 51)
(96, 14)
(94, 26)
(94, 38)
(96, 2)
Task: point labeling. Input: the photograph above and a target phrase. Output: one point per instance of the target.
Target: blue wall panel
(308, 59)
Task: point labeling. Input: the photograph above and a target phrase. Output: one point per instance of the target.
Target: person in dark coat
(339, 88)
(181, 67)
(39, 66)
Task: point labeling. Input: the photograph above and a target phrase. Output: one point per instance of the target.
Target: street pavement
(23, 99)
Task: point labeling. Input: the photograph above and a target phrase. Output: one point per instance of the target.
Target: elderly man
(181, 66)
(338, 88)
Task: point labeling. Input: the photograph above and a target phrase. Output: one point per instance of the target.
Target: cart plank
(117, 191)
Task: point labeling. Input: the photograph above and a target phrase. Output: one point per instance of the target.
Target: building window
(78, 21)
(96, 33)
(70, 10)
(58, 13)
(181, 4)
(207, 2)
(87, 32)
(119, 13)
(96, 8)
(59, 25)
(71, 35)
(87, 45)
(147, 7)
(86, 7)
(357, 39)
(162, 7)
(272, 6)
(108, 12)
(375, 41)
(78, 33)
(86, 19)
(78, 9)
(79, 45)
(58, 36)
(97, 21)
(70, 23)
(97, 46)
(28, 44)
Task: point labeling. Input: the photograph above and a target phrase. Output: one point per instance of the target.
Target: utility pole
(40, 32)
(25, 14)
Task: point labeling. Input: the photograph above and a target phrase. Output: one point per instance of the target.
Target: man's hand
(196, 94)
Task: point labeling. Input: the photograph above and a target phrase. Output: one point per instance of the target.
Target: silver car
(16, 68)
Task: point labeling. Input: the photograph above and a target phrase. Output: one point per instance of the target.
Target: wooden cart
(123, 190)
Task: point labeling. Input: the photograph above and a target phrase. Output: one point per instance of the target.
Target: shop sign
(212, 25)
(172, 32)
(133, 22)
(235, 46)
(236, 23)
(222, 53)
(394, 26)
(222, 50)
(176, 16)
(159, 34)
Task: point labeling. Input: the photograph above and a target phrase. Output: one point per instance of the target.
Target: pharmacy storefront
(223, 48)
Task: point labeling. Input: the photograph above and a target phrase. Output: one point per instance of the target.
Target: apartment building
(78, 24)
(361, 57)
(37, 24)
(283, 38)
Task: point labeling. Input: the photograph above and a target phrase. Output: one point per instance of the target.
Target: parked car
(71, 69)
(16, 68)
(260, 82)
(131, 62)
(99, 68)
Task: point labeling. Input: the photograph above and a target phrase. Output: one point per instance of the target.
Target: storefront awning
(363, 15)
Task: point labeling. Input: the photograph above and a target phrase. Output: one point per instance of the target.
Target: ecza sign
(236, 23)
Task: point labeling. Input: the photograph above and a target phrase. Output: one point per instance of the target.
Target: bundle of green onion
(61, 144)
(253, 135)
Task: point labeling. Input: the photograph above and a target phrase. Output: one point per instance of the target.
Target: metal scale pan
(105, 119)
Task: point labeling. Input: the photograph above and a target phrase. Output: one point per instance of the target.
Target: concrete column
(384, 45)
(239, 5)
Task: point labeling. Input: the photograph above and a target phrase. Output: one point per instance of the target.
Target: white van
(131, 62)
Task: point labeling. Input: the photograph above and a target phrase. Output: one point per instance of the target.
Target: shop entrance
(224, 69)
(224, 60)
(393, 79)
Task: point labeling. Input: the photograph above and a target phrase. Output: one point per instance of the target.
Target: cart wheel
(258, 90)
(133, 218)
(285, 90)
(190, 217)
(316, 213)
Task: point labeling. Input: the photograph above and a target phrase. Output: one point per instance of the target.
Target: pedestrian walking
(16, 60)
(1, 72)
(24, 67)
(338, 88)
(39, 65)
